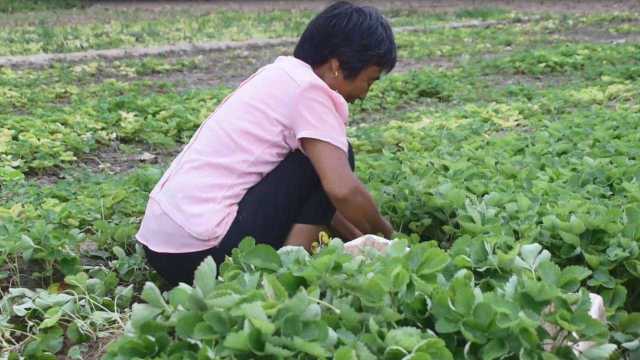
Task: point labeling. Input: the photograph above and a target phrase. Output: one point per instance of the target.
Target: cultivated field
(505, 147)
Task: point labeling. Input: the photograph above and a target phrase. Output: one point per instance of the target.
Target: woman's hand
(388, 231)
(343, 229)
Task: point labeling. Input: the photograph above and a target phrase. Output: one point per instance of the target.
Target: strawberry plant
(406, 304)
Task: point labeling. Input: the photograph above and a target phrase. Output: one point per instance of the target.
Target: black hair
(358, 36)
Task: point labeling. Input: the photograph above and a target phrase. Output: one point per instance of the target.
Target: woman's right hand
(387, 231)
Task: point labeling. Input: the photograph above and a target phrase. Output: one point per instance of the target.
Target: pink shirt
(248, 135)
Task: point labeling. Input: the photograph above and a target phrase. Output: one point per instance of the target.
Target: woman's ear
(334, 66)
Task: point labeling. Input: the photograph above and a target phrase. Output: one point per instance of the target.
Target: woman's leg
(175, 268)
(303, 235)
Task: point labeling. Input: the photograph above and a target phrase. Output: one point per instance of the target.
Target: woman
(273, 162)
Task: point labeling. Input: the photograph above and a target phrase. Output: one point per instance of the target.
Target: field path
(204, 47)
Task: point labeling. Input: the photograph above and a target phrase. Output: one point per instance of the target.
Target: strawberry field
(504, 148)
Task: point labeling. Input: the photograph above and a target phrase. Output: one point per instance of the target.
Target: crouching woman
(273, 161)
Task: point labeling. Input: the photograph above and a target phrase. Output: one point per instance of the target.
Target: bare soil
(588, 6)
(221, 68)
(107, 10)
(230, 69)
(95, 349)
(591, 34)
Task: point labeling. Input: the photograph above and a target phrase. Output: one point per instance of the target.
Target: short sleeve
(315, 114)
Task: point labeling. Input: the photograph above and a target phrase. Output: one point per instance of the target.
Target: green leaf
(598, 352)
(473, 331)
(79, 280)
(632, 226)
(435, 348)
(52, 316)
(394, 353)
(151, 294)
(314, 331)
(332, 337)
(263, 257)
(75, 352)
(345, 353)
(363, 352)
(540, 291)
(570, 238)
(277, 351)
(256, 341)
(447, 326)
(631, 324)
(75, 334)
(575, 226)
(119, 252)
(419, 356)
(433, 261)
(255, 313)
(483, 315)
(528, 336)
(572, 276)
(49, 340)
(494, 349)
(186, 323)
(180, 295)
(404, 337)
(549, 273)
(69, 265)
(447, 319)
(205, 276)
(454, 197)
(614, 298)
(550, 356)
(399, 278)
(238, 341)
(124, 294)
(531, 255)
(143, 313)
(203, 330)
(371, 292)
(274, 289)
(397, 248)
(218, 320)
(292, 255)
(462, 295)
(633, 266)
(311, 348)
(291, 324)
(313, 312)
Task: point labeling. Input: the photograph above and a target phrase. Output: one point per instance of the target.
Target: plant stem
(337, 311)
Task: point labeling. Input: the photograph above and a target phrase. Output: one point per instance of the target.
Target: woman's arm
(346, 192)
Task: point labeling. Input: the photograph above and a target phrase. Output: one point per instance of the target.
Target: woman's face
(358, 87)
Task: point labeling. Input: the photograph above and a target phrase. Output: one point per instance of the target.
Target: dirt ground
(231, 68)
(588, 6)
(106, 10)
